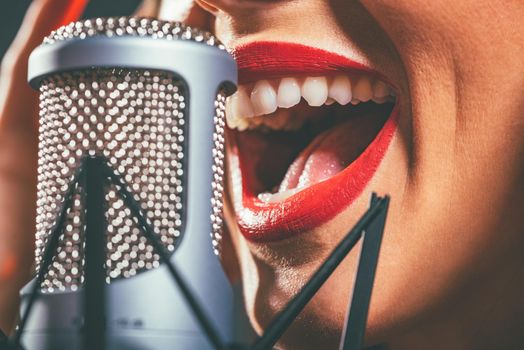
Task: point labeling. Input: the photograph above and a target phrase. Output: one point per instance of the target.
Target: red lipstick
(266, 60)
(309, 208)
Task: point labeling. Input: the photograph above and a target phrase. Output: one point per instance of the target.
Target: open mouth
(307, 132)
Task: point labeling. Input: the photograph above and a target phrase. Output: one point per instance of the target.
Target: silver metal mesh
(132, 26)
(135, 118)
(218, 173)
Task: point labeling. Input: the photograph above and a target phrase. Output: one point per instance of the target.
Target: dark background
(11, 15)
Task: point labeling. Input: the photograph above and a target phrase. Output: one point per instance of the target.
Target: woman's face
(450, 154)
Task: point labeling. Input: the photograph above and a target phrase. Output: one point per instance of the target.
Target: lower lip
(313, 206)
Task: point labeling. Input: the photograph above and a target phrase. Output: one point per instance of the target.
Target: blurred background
(13, 12)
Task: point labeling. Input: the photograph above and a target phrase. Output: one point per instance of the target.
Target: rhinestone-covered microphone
(147, 96)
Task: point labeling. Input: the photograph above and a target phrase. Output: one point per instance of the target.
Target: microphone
(147, 97)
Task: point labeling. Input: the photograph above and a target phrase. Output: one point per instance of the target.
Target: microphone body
(149, 97)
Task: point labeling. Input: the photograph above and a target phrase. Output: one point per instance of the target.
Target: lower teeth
(267, 197)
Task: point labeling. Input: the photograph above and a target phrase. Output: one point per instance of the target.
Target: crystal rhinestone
(122, 26)
(135, 119)
(109, 135)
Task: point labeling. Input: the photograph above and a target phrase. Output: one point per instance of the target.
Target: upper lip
(266, 60)
(259, 221)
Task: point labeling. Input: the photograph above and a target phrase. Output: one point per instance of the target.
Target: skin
(450, 272)
(18, 157)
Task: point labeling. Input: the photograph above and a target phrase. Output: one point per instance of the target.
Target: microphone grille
(217, 185)
(136, 119)
(132, 26)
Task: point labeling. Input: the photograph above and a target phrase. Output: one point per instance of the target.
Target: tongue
(327, 155)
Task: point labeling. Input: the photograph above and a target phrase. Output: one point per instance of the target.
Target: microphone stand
(91, 179)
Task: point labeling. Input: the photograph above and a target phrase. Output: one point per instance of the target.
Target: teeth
(252, 107)
(315, 91)
(288, 93)
(278, 120)
(239, 108)
(329, 101)
(263, 98)
(362, 90)
(277, 197)
(380, 90)
(379, 99)
(241, 104)
(340, 90)
(235, 122)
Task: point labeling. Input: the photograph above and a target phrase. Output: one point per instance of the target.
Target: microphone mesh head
(135, 118)
(132, 26)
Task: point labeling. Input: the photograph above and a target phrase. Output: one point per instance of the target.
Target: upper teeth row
(265, 96)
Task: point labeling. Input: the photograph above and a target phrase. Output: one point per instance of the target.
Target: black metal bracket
(4, 341)
(94, 175)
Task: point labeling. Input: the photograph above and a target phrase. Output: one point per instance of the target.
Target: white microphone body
(166, 78)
